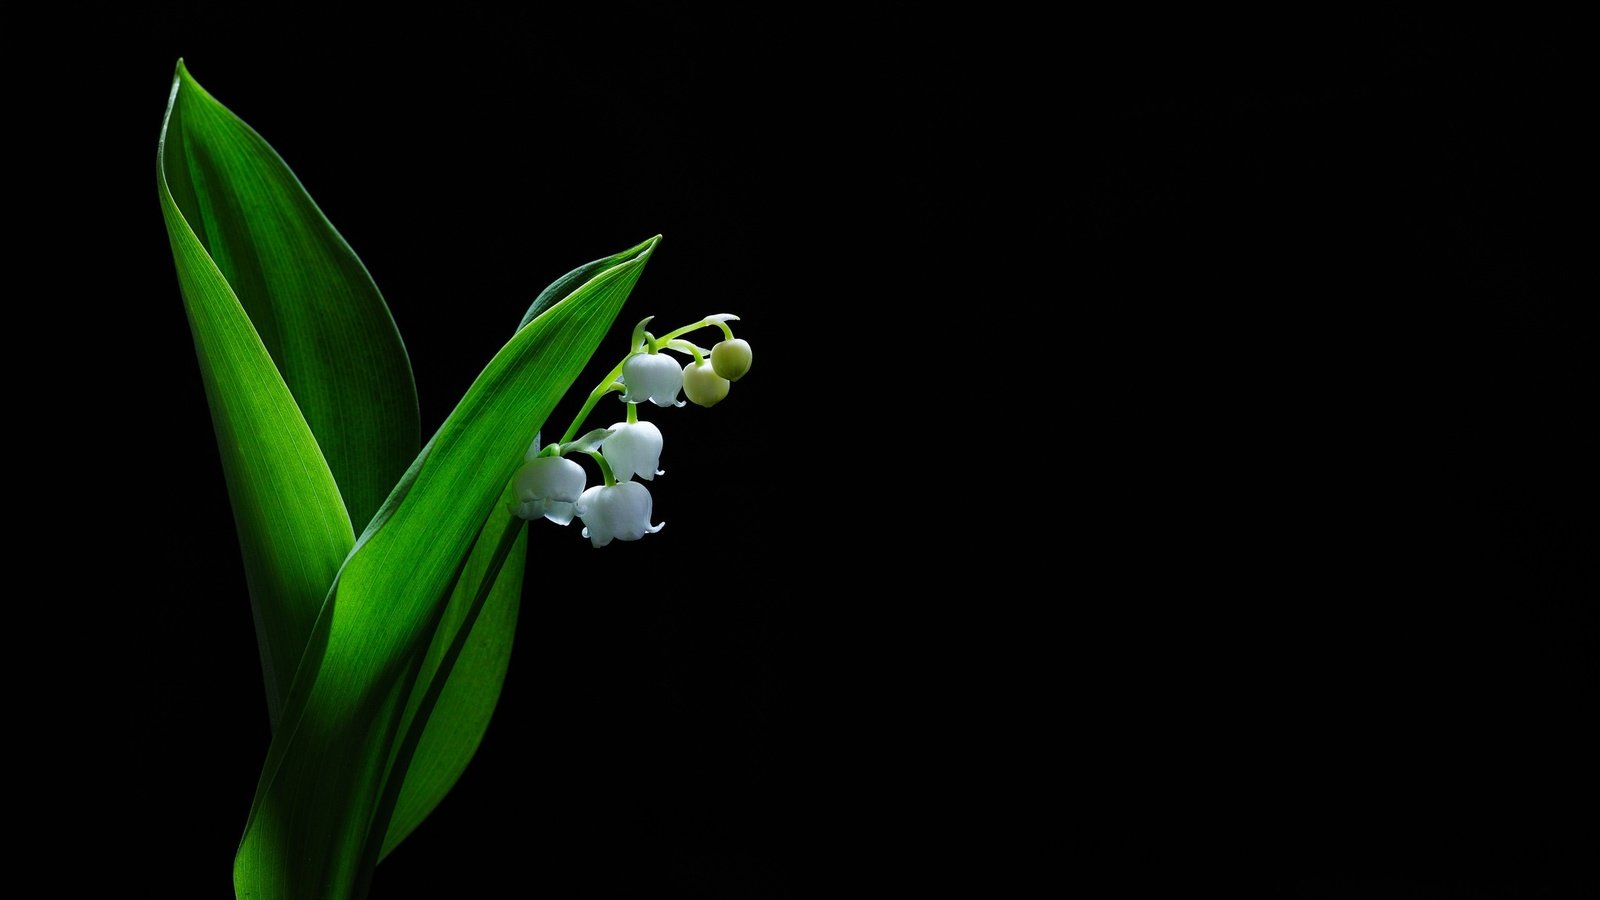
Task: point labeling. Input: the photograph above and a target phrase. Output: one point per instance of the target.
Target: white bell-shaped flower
(549, 486)
(620, 511)
(652, 376)
(634, 448)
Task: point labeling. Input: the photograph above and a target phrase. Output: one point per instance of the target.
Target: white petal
(636, 378)
(629, 510)
(558, 512)
(586, 501)
(598, 534)
(587, 506)
(550, 478)
(554, 510)
(634, 448)
(652, 376)
(621, 512)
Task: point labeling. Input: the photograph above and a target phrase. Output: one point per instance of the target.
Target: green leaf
(309, 297)
(587, 442)
(225, 190)
(466, 702)
(566, 284)
(462, 696)
(294, 529)
(315, 825)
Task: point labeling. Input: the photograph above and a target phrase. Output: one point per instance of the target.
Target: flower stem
(610, 383)
(680, 332)
(607, 384)
(683, 346)
(605, 467)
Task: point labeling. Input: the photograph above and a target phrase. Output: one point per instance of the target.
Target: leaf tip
(642, 252)
(181, 76)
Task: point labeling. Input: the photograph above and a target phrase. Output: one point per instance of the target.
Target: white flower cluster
(552, 486)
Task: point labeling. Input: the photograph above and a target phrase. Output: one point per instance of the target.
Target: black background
(1158, 467)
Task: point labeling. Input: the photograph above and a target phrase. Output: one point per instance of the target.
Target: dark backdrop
(655, 737)
(1158, 468)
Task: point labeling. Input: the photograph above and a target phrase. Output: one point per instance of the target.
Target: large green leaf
(458, 685)
(333, 340)
(462, 698)
(294, 530)
(254, 250)
(309, 297)
(242, 229)
(317, 822)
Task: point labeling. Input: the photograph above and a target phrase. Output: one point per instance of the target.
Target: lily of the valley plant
(384, 575)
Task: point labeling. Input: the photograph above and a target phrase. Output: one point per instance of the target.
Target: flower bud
(702, 384)
(731, 359)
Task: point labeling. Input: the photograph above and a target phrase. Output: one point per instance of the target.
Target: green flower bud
(731, 359)
(702, 384)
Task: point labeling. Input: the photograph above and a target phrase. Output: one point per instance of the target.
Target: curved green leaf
(468, 691)
(311, 300)
(320, 797)
(294, 530)
(226, 194)
(466, 701)
(563, 287)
